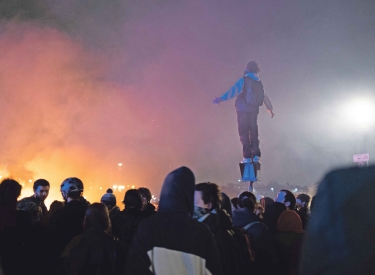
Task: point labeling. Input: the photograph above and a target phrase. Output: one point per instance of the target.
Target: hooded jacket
(171, 242)
(288, 242)
(242, 89)
(340, 234)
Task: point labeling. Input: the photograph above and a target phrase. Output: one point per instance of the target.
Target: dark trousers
(248, 130)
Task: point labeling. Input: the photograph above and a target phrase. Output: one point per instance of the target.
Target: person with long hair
(95, 251)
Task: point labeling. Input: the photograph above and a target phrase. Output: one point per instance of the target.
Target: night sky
(86, 85)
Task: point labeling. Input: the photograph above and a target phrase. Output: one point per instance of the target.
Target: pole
(251, 186)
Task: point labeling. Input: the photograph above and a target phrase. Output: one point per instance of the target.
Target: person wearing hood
(288, 242)
(171, 242)
(260, 237)
(207, 199)
(250, 96)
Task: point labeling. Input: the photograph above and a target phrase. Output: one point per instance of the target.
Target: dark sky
(88, 84)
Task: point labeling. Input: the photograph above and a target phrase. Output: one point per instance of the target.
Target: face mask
(199, 212)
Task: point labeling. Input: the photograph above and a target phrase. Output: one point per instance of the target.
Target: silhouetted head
(97, 216)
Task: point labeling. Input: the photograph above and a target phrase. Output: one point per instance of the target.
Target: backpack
(257, 96)
(247, 252)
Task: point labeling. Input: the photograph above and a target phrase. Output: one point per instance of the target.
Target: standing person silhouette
(250, 96)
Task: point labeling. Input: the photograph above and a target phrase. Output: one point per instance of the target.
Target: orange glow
(60, 119)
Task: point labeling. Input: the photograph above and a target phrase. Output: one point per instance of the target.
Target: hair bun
(110, 191)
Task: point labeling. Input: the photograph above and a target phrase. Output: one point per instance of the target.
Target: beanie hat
(109, 198)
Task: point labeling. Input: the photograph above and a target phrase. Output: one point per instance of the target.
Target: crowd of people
(196, 230)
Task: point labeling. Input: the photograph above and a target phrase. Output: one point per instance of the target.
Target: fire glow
(59, 118)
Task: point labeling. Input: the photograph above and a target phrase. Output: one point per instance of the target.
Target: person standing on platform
(250, 96)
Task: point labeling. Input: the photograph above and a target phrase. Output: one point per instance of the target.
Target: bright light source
(271, 188)
(120, 164)
(360, 112)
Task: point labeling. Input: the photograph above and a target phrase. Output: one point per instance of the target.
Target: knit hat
(109, 198)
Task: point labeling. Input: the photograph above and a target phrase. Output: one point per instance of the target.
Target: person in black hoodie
(171, 242)
(207, 199)
(260, 237)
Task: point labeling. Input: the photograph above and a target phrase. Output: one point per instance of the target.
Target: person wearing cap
(109, 200)
(30, 204)
(66, 223)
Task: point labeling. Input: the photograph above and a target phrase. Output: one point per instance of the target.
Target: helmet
(71, 185)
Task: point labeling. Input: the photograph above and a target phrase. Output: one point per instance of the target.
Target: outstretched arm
(232, 92)
(268, 104)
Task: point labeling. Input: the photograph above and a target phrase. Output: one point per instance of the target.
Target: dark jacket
(260, 238)
(40, 204)
(64, 225)
(244, 99)
(271, 215)
(114, 212)
(303, 214)
(125, 224)
(171, 241)
(150, 210)
(221, 226)
(93, 252)
(16, 250)
(340, 234)
(242, 217)
(288, 246)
